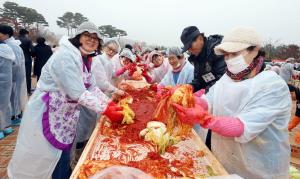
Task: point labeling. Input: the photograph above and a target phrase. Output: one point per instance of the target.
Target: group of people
(12, 80)
(242, 111)
(16, 71)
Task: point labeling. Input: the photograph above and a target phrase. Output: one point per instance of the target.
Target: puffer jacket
(208, 62)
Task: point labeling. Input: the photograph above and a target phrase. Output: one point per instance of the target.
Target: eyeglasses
(114, 51)
(91, 36)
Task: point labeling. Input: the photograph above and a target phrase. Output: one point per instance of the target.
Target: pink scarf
(182, 63)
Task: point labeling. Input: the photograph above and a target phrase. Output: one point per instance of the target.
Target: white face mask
(85, 52)
(237, 64)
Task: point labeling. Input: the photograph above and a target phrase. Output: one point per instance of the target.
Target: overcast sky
(162, 21)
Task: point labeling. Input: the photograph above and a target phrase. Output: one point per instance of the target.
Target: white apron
(263, 104)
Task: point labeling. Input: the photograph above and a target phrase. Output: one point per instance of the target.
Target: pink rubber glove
(121, 71)
(225, 126)
(199, 93)
(199, 100)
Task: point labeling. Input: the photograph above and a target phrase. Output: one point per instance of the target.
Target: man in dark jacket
(26, 45)
(208, 66)
(42, 53)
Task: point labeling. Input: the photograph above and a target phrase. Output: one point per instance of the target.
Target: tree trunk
(16, 25)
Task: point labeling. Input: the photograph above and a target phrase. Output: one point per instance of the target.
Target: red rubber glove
(191, 116)
(114, 112)
(199, 100)
(154, 87)
(225, 126)
(293, 123)
(160, 91)
(144, 66)
(297, 138)
(138, 58)
(131, 69)
(147, 77)
(121, 71)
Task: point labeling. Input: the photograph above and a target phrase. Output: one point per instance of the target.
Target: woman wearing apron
(248, 111)
(48, 128)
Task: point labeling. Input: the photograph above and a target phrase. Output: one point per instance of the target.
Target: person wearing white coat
(182, 71)
(248, 111)
(49, 122)
(103, 68)
(7, 58)
(127, 60)
(160, 66)
(19, 95)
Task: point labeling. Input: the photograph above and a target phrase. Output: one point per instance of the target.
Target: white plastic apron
(37, 156)
(263, 104)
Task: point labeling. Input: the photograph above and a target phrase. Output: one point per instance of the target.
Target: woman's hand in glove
(225, 126)
(114, 112)
(146, 75)
(199, 100)
(297, 138)
(192, 116)
(293, 123)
